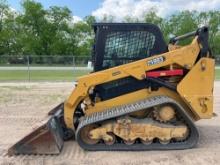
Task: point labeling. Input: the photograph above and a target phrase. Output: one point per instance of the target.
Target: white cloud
(136, 8)
(76, 19)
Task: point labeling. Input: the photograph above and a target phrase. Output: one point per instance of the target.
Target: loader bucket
(46, 139)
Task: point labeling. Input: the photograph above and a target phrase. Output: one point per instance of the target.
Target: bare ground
(24, 105)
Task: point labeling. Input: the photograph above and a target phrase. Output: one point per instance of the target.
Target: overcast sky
(121, 8)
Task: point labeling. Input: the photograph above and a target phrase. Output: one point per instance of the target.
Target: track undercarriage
(120, 128)
(131, 129)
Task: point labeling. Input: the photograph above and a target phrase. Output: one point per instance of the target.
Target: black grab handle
(190, 34)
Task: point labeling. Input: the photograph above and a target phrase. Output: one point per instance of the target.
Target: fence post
(28, 62)
(73, 61)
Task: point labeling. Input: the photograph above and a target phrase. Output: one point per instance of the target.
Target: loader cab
(121, 43)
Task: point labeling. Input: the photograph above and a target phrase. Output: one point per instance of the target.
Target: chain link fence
(78, 61)
(43, 68)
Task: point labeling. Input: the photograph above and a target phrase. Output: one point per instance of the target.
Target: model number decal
(155, 61)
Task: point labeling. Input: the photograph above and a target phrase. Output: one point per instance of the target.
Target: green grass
(43, 65)
(217, 74)
(46, 75)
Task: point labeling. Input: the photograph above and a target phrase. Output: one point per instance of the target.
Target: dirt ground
(24, 105)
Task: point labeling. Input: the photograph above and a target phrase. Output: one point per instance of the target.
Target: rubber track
(190, 142)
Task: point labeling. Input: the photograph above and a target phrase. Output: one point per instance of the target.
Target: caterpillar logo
(156, 60)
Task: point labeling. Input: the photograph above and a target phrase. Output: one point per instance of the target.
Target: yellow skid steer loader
(142, 94)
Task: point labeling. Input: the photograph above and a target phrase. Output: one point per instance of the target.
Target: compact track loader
(142, 95)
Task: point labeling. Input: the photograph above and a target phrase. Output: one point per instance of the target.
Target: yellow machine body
(195, 89)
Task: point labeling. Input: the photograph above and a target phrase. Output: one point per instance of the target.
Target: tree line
(39, 31)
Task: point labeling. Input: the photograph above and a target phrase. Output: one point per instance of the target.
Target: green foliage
(181, 23)
(151, 17)
(187, 21)
(39, 31)
(8, 30)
